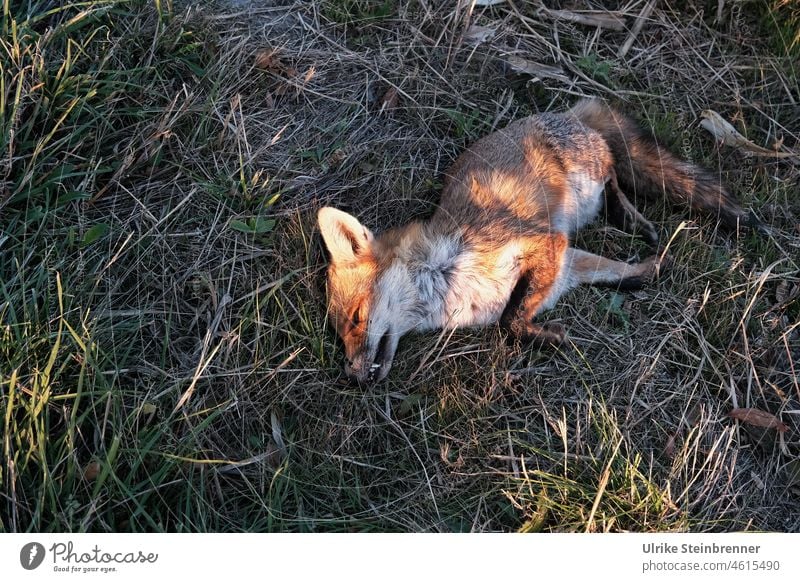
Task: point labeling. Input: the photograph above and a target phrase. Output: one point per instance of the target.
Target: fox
(498, 246)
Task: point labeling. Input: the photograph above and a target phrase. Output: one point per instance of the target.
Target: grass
(165, 361)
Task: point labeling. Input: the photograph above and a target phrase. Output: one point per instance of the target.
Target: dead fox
(498, 246)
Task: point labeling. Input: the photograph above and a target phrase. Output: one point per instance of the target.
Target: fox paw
(541, 335)
(649, 270)
(658, 265)
(549, 334)
(649, 233)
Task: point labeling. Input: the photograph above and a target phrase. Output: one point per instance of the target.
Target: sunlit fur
(497, 247)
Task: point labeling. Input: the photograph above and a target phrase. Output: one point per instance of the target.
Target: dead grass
(223, 376)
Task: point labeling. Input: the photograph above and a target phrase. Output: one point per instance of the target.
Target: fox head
(371, 297)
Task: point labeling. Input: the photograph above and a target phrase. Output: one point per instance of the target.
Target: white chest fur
(583, 205)
(478, 289)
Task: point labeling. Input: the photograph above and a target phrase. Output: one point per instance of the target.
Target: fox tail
(644, 167)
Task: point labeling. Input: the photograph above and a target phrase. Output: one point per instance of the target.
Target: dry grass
(221, 378)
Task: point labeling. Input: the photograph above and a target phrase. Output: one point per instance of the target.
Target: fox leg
(549, 269)
(538, 287)
(622, 214)
(592, 269)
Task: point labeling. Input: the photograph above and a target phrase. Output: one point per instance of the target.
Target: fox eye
(356, 317)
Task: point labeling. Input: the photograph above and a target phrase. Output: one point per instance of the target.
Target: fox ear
(345, 237)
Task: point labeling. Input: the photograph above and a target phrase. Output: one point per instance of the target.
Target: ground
(165, 360)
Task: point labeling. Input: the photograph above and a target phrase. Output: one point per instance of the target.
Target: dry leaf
(337, 157)
(389, 99)
(91, 471)
(757, 417)
(272, 456)
(270, 60)
(147, 412)
(527, 67)
(610, 20)
(478, 34)
(727, 134)
(149, 409)
(264, 59)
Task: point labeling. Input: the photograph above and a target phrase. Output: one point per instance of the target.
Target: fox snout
(357, 369)
(372, 362)
(361, 374)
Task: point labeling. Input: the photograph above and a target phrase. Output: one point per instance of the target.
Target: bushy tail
(645, 168)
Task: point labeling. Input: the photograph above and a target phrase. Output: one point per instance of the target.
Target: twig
(637, 27)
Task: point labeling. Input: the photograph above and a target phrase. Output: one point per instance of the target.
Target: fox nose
(351, 374)
(354, 377)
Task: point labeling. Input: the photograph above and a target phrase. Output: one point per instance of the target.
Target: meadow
(165, 359)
